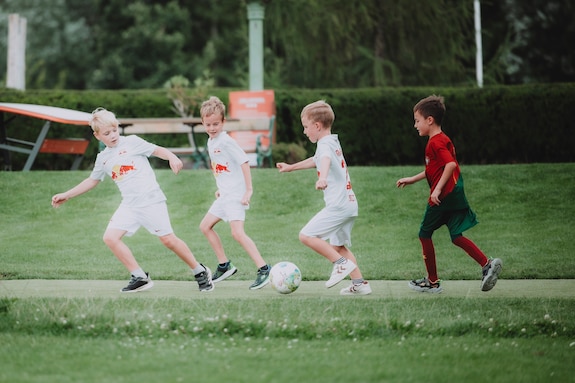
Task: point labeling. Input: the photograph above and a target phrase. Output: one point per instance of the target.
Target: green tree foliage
(354, 43)
(134, 44)
(543, 40)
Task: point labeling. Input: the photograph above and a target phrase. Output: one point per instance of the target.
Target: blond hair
(319, 111)
(211, 106)
(102, 118)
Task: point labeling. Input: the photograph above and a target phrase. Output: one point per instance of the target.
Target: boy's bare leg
(172, 242)
(247, 243)
(321, 247)
(207, 228)
(113, 239)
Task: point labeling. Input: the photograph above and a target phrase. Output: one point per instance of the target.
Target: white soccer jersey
(128, 166)
(227, 158)
(338, 193)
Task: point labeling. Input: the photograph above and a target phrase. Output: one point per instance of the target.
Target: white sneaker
(491, 274)
(361, 289)
(339, 272)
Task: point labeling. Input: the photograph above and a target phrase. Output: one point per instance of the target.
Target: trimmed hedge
(499, 124)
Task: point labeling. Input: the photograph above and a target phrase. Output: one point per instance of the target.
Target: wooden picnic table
(75, 146)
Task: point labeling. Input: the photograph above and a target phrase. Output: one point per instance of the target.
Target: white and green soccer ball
(285, 277)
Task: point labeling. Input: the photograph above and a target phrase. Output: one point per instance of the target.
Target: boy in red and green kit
(447, 204)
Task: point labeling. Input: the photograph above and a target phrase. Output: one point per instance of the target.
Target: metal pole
(15, 75)
(478, 44)
(256, 16)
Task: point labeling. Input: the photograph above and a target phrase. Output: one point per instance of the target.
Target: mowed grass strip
(280, 339)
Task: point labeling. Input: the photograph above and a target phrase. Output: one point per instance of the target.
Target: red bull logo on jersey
(119, 171)
(219, 168)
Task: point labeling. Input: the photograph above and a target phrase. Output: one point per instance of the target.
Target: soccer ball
(285, 277)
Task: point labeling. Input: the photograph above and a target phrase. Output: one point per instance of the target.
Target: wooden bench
(254, 135)
(75, 146)
(167, 127)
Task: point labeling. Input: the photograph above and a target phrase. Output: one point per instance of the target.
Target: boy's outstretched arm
(84, 186)
(175, 163)
(410, 180)
(305, 164)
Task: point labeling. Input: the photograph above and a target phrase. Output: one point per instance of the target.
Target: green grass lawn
(526, 214)
(526, 218)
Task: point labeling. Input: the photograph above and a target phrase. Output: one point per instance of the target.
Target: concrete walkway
(533, 288)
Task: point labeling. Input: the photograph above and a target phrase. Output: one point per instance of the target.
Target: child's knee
(109, 239)
(205, 228)
(169, 240)
(455, 236)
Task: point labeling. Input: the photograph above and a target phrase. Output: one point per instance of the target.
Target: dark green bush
(499, 124)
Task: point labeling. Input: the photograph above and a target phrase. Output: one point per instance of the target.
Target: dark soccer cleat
(262, 279)
(224, 273)
(138, 284)
(424, 286)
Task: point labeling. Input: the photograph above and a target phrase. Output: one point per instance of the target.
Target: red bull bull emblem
(219, 168)
(120, 171)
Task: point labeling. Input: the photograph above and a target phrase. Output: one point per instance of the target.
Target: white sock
(198, 269)
(139, 273)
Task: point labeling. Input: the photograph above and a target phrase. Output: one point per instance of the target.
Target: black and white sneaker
(423, 285)
(224, 272)
(491, 274)
(262, 278)
(204, 280)
(138, 284)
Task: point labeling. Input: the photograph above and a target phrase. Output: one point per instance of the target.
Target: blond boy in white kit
(335, 221)
(231, 169)
(125, 160)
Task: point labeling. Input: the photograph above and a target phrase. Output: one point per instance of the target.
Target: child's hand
(283, 167)
(434, 197)
(321, 184)
(246, 198)
(58, 199)
(403, 181)
(176, 164)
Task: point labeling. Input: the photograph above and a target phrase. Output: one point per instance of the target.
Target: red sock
(471, 249)
(429, 259)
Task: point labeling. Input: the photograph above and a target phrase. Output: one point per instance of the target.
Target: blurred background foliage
(123, 44)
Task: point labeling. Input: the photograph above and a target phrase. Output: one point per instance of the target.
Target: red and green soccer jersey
(438, 152)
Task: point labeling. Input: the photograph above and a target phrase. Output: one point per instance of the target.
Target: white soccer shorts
(328, 225)
(154, 218)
